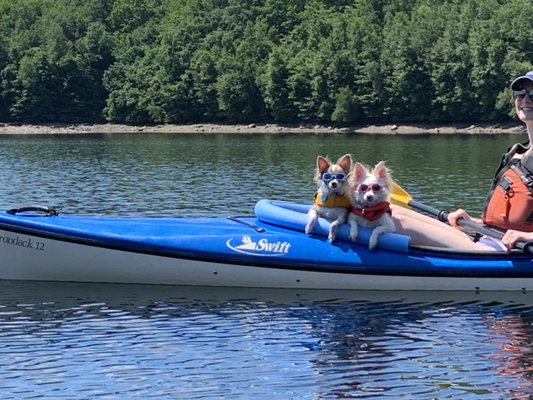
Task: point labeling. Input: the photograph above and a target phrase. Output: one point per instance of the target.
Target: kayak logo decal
(260, 248)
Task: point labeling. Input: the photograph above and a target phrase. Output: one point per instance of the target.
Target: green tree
(346, 110)
(275, 88)
(160, 61)
(509, 42)
(405, 90)
(136, 27)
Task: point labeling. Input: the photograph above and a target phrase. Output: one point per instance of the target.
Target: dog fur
(370, 208)
(332, 200)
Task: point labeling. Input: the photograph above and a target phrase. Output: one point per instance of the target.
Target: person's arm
(510, 238)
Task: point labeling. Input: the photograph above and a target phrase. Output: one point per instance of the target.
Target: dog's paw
(332, 232)
(309, 228)
(373, 242)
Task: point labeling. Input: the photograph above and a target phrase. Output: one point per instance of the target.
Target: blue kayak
(268, 249)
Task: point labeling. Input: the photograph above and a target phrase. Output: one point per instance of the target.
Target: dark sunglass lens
(327, 176)
(519, 93)
(340, 176)
(376, 187)
(363, 187)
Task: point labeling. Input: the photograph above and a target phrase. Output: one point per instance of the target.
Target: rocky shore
(392, 129)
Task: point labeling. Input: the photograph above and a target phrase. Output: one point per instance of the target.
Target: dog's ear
(345, 162)
(322, 164)
(359, 172)
(381, 171)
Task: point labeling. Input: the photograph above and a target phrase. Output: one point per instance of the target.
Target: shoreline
(385, 129)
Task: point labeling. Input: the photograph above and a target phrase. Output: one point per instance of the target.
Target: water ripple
(82, 341)
(138, 343)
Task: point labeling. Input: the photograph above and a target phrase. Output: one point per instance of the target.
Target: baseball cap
(517, 83)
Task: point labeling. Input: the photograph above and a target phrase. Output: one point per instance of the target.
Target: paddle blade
(399, 196)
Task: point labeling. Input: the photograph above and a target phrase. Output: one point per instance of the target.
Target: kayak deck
(239, 251)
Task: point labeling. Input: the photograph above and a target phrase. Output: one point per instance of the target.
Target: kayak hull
(238, 252)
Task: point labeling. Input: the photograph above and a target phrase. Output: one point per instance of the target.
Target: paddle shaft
(401, 197)
(443, 217)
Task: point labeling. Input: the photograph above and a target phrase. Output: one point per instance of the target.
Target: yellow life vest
(332, 200)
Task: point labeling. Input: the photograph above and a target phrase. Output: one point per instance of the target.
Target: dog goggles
(365, 188)
(326, 177)
(520, 94)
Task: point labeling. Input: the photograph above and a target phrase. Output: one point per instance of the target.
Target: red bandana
(374, 212)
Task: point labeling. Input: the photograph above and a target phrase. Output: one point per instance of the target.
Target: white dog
(370, 201)
(332, 199)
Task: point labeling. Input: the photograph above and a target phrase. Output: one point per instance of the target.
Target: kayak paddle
(402, 198)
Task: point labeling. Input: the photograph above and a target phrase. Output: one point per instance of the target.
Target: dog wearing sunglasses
(332, 200)
(369, 195)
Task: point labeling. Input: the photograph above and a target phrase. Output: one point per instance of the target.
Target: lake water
(87, 341)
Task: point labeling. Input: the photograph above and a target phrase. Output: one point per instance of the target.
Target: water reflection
(512, 335)
(436, 350)
(82, 341)
(93, 341)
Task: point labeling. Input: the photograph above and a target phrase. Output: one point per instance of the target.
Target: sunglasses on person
(326, 177)
(520, 94)
(365, 188)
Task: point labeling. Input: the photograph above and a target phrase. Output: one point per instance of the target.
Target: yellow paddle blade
(399, 196)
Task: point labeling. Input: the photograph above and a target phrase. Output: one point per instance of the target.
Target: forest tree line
(284, 61)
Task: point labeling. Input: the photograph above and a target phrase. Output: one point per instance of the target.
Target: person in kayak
(508, 206)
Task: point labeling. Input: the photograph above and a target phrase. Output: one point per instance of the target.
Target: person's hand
(511, 237)
(458, 214)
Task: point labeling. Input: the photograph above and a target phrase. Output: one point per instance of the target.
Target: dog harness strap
(332, 200)
(374, 212)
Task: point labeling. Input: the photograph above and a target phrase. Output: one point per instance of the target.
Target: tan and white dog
(332, 200)
(369, 195)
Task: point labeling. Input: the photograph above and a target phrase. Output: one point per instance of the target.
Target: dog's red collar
(374, 212)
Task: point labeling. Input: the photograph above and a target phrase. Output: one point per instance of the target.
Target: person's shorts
(488, 243)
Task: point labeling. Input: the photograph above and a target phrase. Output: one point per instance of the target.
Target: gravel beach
(391, 129)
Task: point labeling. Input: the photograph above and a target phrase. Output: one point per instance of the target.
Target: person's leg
(427, 231)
